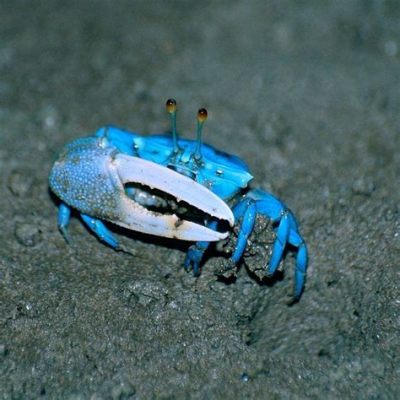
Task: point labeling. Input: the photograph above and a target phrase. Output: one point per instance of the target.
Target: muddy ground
(308, 94)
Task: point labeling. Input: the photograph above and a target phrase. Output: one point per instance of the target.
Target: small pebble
(363, 186)
(19, 184)
(244, 377)
(123, 391)
(27, 235)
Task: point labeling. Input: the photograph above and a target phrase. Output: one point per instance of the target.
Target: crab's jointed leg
(101, 231)
(196, 252)
(286, 232)
(64, 216)
(245, 212)
(95, 225)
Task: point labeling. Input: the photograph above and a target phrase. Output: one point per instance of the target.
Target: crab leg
(64, 215)
(280, 243)
(248, 220)
(99, 229)
(196, 252)
(301, 262)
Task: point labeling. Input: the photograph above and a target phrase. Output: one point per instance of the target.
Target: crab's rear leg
(246, 211)
(282, 235)
(64, 216)
(301, 262)
(196, 252)
(101, 231)
(94, 224)
(286, 233)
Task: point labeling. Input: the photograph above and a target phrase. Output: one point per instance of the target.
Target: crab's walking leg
(101, 231)
(95, 225)
(286, 233)
(194, 256)
(279, 214)
(301, 262)
(64, 216)
(247, 211)
(196, 252)
(280, 243)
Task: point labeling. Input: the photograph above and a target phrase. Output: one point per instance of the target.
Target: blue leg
(196, 252)
(64, 215)
(240, 208)
(249, 212)
(279, 244)
(273, 208)
(287, 232)
(301, 263)
(194, 256)
(101, 231)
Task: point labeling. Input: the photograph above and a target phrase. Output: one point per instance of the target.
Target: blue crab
(171, 187)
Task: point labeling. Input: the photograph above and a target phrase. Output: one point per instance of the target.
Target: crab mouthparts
(146, 173)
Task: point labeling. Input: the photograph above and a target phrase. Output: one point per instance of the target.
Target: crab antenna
(201, 117)
(171, 110)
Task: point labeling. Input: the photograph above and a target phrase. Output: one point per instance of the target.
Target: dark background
(307, 92)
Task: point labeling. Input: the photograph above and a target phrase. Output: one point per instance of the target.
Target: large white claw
(134, 216)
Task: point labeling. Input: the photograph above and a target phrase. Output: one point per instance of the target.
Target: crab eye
(171, 106)
(171, 110)
(202, 115)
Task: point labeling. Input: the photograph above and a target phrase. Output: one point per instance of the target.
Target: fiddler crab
(171, 187)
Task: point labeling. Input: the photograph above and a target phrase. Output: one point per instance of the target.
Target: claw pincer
(90, 176)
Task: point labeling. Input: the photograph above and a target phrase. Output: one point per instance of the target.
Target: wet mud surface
(308, 95)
